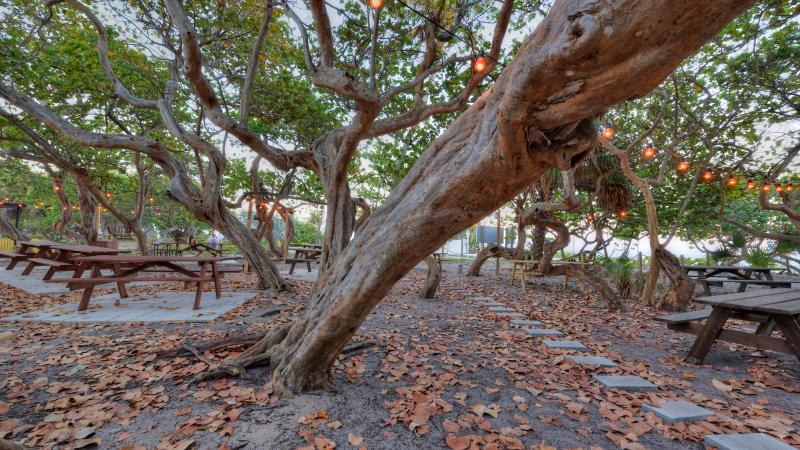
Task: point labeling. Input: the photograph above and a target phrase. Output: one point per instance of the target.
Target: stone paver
(543, 332)
(678, 411)
(625, 383)
(564, 345)
(481, 299)
(531, 323)
(749, 441)
(500, 308)
(599, 361)
(508, 314)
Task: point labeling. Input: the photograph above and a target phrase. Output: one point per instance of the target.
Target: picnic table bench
(305, 255)
(770, 308)
(531, 267)
(126, 268)
(26, 250)
(59, 257)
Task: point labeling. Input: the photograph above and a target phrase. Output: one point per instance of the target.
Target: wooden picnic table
(127, 267)
(26, 250)
(59, 257)
(745, 276)
(305, 255)
(770, 308)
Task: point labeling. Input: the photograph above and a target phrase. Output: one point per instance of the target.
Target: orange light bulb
(683, 166)
(375, 4)
(750, 185)
(590, 217)
(732, 182)
(622, 214)
(479, 64)
(765, 187)
(789, 188)
(649, 151)
(778, 188)
(609, 132)
(708, 175)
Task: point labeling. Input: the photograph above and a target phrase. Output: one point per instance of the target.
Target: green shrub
(758, 257)
(621, 271)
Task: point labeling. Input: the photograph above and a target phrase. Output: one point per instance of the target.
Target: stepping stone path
(630, 383)
(669, 412)
(543, 332)
(564, 345)
(678, 411)
(749, 441)
(508, 314)
(598, 361)
(531, 323)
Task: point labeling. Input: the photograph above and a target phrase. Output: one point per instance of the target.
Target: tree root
(236, 340)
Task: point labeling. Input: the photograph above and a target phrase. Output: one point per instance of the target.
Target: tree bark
(682, 287)
(8, 229)
(432, 278)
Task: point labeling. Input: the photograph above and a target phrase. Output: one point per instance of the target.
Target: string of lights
(708, 174)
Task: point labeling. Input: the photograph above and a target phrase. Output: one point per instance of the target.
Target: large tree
(584, 57)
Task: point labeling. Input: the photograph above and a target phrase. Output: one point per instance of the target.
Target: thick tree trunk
(537, 241)
(584, 57)
(340, 210)
(88, 208)
(432, 278)
(681, 286)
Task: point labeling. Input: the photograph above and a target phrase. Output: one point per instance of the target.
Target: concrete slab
(678, 411)
(162, 307)
(508, 314)
(564, 345)
(543, 332)
(490, 304)
(531, 323)
(479, 298)
(598, 361)
(34, 284)
(625, 383)
(500, 308)
(748, 441)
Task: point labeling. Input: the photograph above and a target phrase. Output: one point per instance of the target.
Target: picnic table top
(745, 268)
(37, 244)
(771, 301)
(151, 258)
(87, 249)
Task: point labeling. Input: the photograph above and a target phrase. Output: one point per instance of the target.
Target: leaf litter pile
(440, 373)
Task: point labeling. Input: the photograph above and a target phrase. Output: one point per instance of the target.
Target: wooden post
(641, 263)
(708, 259)
(497, 260)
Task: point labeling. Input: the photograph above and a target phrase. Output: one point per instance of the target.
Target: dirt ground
(442, 373)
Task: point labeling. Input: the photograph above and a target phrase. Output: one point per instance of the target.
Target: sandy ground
(444, 372)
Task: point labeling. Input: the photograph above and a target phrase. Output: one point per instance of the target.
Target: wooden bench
(80, 283)
(53, 265)
(684, 317)
(293, 261)
(717, 281)
(15, 258)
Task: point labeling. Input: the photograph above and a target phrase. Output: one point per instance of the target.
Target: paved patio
(161, 307)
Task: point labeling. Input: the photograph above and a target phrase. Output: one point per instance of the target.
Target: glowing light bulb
(732, 182)
(622, 214)
(375, 4)
(789, 188)
(649, 151)
(479, 64)
(765, 187)
(750, 185)
(778, 188)
(609, 132)
(590, 217)
(683, 166)
(708, 175)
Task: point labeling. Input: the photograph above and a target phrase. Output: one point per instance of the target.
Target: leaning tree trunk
(681, 286)
(340, 209)
(583, 57)
(537, 241)
(432, 278)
